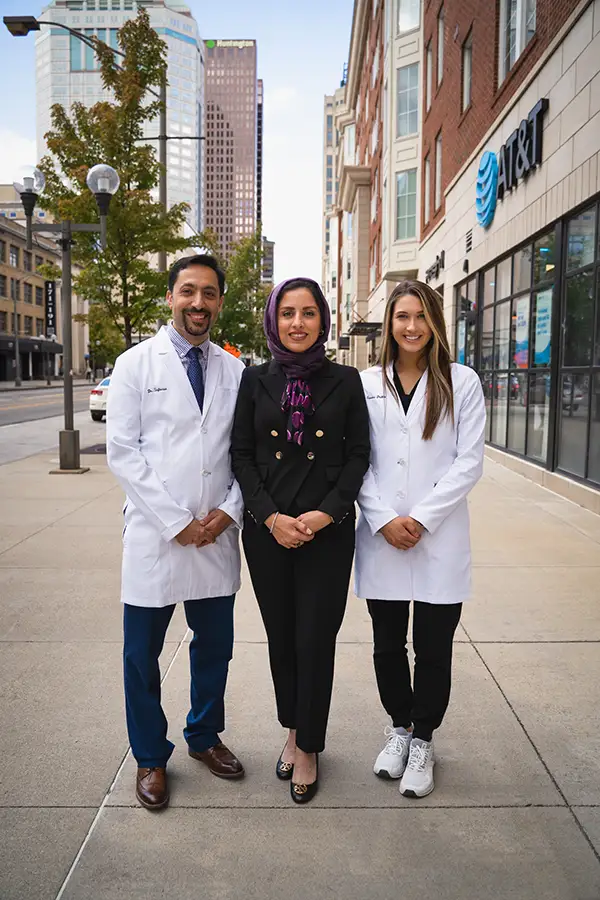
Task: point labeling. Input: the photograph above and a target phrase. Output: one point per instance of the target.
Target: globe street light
(103, 181)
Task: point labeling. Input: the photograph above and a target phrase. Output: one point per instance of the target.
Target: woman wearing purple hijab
(300, 449)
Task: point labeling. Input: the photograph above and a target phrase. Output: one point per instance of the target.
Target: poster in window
(543, 323)
(460, 355)
(522, 333)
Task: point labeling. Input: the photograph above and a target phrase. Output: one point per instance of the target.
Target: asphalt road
(27, 406)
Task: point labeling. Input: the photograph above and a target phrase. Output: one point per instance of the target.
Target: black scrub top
(405, 399)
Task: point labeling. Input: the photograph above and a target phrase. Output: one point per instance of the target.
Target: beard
(196, 329)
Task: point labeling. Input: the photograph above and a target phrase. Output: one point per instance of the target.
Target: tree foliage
(120, 282)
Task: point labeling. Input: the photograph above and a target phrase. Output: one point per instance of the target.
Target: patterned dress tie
(196, 375)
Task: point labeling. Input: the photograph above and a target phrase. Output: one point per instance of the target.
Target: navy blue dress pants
(211, 649)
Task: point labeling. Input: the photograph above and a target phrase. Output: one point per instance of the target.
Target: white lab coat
(173, 463)
(428, 480)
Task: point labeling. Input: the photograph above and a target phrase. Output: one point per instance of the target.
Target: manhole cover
(95, 448)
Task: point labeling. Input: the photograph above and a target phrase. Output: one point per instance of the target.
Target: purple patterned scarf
(298, 367)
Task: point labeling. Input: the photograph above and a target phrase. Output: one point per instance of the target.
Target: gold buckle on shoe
(300, 788)
(286, 766)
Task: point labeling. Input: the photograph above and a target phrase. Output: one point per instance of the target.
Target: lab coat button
(310, 455)
(205, 473)
(319, 433)
(401, 462)
(204, 429)
(279, 455)
(274, 433)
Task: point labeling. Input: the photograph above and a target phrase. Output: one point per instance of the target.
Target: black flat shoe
(304, 793)
(284, 770)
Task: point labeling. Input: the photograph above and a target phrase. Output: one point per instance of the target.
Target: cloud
(15, 151)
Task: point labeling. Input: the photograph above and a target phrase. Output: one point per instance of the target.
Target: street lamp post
(103, 182)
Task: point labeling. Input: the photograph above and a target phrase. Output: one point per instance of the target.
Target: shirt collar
(182, 345)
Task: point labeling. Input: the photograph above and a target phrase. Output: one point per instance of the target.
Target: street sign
(50, 294)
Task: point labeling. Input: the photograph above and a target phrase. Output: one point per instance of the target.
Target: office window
(14, 256)
(438, 171)
(375, 67)
(28, 293)
(28, 325)
(27, 260)
(406, 205)
(3, 321)
(467, 71)
(428, 76)
(3, 286)
(407, 86)
(427, 190)
(39, 327)
(2, 251)
(39, 296)
(39, 261)
(517, 27)
(409, 14)
(440, 46)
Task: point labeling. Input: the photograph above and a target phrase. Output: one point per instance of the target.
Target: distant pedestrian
(300, 449)
(88, 374)
(427, 419)
(171, 405)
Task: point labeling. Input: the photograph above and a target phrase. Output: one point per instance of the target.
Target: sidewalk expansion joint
(536, 751)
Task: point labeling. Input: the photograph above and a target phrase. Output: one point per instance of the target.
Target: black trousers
(425, 704)
(302, 597)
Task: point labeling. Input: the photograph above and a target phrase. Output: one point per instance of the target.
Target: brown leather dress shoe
(220, 761)
(151, 787)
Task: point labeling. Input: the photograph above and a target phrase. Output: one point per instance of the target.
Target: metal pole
(69, 438)
(17, 350)
(162, 158)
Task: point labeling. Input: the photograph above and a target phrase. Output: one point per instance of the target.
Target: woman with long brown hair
(427, 420)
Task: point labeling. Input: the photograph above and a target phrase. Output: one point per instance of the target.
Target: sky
(302, 48)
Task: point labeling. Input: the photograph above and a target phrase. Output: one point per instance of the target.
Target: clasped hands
(403, 532)
(292, 533)
(202, 532)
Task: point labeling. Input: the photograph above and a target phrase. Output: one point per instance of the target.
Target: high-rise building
(259, 149)
(329, 257)
(268, 261)
(67, 71)
(232, 96)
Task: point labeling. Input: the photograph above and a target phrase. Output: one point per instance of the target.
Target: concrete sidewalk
(516, 810)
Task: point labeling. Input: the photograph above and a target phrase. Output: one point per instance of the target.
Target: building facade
(330, 224)
(268, 261)
(511, 230)
(30, 307)
(378, 166)
(67, 71)
(231, 196)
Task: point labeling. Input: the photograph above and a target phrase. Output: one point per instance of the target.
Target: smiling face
(409, 326)
(196, 303)
(298, 320)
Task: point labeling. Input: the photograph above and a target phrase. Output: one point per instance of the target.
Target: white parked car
(98, 398)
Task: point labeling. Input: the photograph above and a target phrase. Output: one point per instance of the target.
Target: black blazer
(327, 471)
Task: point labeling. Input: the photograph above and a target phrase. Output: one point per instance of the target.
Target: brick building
(510, 221)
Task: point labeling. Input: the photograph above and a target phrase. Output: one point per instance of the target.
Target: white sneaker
(417, 780)
(391, 762)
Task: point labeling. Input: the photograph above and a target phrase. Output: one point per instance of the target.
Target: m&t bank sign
(521, 153)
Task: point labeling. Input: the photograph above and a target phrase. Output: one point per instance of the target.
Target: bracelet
(273, 523)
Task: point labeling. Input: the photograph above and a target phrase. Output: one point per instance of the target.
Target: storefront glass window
(502, 336)
(572, 445)
(539, 416)
(594, 461)
(500, 409)
(487, 338)
(486, 384)
(522, 270)
(489, 285)
(542, 327)
(597, 341)
(581, 240)
(579, 320)
(544, 258)
(517, 411)
(503, 280)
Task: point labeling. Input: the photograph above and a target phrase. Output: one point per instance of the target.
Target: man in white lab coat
(170, 411)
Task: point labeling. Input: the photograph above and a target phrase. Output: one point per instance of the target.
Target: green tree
(106, 340)
(120, 280)
(240, 322)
